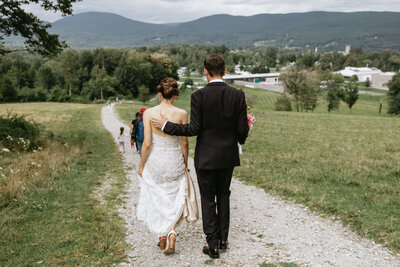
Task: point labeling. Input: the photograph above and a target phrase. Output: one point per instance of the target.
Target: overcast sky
(166, 11)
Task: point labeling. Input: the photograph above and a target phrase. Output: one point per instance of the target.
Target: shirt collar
(217, 81)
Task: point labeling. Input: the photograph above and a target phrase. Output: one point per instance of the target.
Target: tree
(367, 83)
(271, 55)
(283, 103)
(101, 85)
(294, 81)
(46, 77)
(335, 92)
(144, 93)
(350, 95)
(14, 20)
(7, 90)
(394, 95)
(310, 91)
(260, 69)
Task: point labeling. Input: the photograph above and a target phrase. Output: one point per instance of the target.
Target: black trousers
(214, 190)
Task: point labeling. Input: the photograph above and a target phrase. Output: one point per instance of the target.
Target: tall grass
(49, 214)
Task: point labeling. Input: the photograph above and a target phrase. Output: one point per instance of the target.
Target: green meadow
(49, 213)
(339, 164)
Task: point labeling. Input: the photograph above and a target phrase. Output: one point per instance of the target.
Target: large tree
(294, 81)
(14, 20)
(350, 95)
(394, 95)
(334, 91)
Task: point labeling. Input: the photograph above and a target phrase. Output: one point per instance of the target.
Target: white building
(378, 78)
(362, 73)
(181, 71)
(264, 78)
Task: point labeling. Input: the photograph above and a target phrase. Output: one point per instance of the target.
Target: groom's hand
(158, 123)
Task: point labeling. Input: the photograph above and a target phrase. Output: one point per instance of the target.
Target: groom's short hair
(215, 65)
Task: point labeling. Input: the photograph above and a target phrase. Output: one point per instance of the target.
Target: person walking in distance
(140, 132)
(134, 126)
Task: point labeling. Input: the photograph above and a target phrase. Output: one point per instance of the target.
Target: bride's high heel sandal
(162, 242)
(171, 243)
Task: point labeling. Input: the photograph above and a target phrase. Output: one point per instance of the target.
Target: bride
(162, 170)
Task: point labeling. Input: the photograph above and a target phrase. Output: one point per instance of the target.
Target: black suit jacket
(219, 119)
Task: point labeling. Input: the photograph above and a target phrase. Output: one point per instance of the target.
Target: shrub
(58, 94)
(27, 94)
(8, 91)
(283, 103)
(19, 134)
(144, 93)
(40, 94)
(367, 83)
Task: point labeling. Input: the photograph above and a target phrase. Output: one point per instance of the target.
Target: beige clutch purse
(191, 209)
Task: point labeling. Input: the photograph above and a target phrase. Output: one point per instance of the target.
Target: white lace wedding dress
(162, 185)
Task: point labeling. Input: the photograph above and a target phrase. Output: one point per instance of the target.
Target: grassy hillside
(339, 164)
(49, 213)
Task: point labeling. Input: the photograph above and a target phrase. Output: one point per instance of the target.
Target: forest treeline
(88, 75)
(82, 76)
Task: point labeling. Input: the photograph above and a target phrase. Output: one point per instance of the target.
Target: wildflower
(66, 144)
(6, 150)
(1, 168)
(33, 163)
(2, 175)
(34, 151)
(9, 138)
(12, 171)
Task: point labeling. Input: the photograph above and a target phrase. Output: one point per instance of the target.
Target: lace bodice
(165, 162)
(169, 142)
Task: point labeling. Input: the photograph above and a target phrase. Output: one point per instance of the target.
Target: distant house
(362, 73)
(266, 81)
(181, 70)
(377, 77)
(380, 81)
(265, 78)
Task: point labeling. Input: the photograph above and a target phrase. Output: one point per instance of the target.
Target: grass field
(48, 213)
(340, 164)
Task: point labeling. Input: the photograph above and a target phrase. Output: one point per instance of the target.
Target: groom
(219, 119)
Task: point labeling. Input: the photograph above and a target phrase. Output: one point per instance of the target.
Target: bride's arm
(146, 146)
(185, 141)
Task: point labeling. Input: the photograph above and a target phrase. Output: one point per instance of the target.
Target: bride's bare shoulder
(180, 111)
(152, 110)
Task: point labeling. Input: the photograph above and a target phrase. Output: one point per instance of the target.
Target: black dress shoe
(223, 244)
(213, 253)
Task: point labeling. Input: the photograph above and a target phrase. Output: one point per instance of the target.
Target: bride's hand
(140, 170)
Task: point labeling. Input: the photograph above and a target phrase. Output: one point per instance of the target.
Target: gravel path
(264, 228)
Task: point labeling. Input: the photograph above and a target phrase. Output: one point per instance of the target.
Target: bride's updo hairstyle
(168, 88)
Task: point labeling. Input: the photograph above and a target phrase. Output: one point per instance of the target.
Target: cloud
(165, 11)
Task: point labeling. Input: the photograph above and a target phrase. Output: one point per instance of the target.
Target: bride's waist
(167, 149)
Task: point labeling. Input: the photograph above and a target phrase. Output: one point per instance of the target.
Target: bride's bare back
(169, 112)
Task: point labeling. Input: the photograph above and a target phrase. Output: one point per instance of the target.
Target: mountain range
(322, 30)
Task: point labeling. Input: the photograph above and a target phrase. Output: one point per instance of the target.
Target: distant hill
(325, 30)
